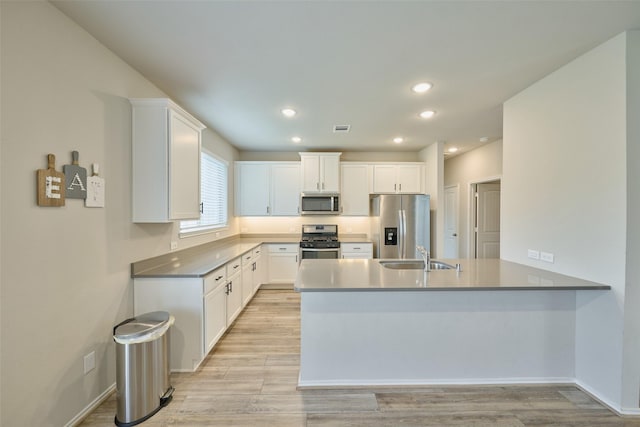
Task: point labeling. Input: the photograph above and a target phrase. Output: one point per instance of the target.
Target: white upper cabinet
(252, 188)
(166, 144)
(320, 172)
(398, 178)
(267, 188)
(285, 189)
(354, 190)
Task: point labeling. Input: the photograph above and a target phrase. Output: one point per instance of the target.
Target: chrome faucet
(426, 256)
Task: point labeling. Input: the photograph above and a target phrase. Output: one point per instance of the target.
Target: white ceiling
(236, 64)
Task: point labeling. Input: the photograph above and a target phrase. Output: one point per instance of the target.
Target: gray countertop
(476, 274)
(202, 260)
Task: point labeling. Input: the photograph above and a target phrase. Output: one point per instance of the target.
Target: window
(213, 195)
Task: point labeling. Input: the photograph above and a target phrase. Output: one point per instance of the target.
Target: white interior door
(488, 220)
(451, 222)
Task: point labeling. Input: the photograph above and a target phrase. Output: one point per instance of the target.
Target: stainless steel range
(319, 241)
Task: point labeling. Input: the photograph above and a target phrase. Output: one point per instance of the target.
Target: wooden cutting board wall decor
(51, 184)
(95, 189)
(76, 178)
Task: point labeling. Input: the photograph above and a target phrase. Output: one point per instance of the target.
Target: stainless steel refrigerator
(400, 222)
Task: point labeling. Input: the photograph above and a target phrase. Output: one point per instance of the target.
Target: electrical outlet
(533, 254)
(89, 362)
(174, 246)
(546, 256)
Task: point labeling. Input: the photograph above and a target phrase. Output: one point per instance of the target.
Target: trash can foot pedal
(164, 400)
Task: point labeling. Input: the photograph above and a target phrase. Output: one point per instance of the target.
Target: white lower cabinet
(234, 290)
(215, 307)
(356, 250)
(258, 269)
(203, 307)
(247, 278)
(283, 263)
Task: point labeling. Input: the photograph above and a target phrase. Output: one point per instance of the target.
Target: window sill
(199, 231)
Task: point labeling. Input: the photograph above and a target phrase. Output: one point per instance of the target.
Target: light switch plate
(533, 254)
(174, 246)
(89, 362)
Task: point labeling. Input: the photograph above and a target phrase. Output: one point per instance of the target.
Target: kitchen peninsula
(493, 322)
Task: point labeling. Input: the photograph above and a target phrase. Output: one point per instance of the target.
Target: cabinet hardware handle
(296, 258)
(218, 278)
(356, 249)
(201, 207)
(323, 185)
(268, 209)
(236, 266)
(231, 286)
(282, 249)
(227, 290)
(394, 187)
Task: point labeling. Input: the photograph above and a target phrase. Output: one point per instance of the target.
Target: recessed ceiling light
(296, 139)
(452, 149)
(427, 114)
(288, 112)
(421, 87)
(398, 139)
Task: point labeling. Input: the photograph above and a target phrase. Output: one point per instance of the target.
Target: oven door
(310, 253)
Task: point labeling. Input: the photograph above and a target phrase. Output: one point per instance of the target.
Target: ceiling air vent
(341, 128)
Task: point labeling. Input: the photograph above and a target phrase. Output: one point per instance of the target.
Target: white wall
(564, 190)
(482, 164)
(65, 271)
(631, 354)
(433, 157)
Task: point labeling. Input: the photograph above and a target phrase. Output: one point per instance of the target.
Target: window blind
(213, 195)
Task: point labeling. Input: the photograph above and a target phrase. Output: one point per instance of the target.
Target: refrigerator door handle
(402, 233)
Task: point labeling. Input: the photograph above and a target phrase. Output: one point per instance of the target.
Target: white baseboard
(92, 406)
(427, 383)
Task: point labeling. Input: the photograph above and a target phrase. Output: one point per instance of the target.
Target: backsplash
(287, 225)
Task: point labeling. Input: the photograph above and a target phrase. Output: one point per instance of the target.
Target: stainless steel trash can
(142, 367)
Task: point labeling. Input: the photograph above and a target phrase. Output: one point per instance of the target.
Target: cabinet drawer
(233, 267)
(215, 279)
(289, 248)
(356, 247)
(247, 258)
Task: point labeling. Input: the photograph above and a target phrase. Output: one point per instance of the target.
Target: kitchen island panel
(409, 338)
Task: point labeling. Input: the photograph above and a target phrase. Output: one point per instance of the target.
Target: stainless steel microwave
(320, 204)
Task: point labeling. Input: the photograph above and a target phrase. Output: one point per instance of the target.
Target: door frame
(456, 218)
(471, 211)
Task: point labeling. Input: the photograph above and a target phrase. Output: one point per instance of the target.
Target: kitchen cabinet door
(234, 290)
(310, 173)
(397, 178)
(252, 189)
(356, 250)
(285, 189)
(409, 178)
(384, 179)
(247, 278)
(354, 190)
(259, 269)
(166, 143)
(215, 314)
(320, 172)
(283, 263)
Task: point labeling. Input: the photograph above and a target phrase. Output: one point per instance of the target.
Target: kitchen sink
(415, 265)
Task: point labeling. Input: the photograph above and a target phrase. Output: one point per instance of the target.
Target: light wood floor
(250, 377)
